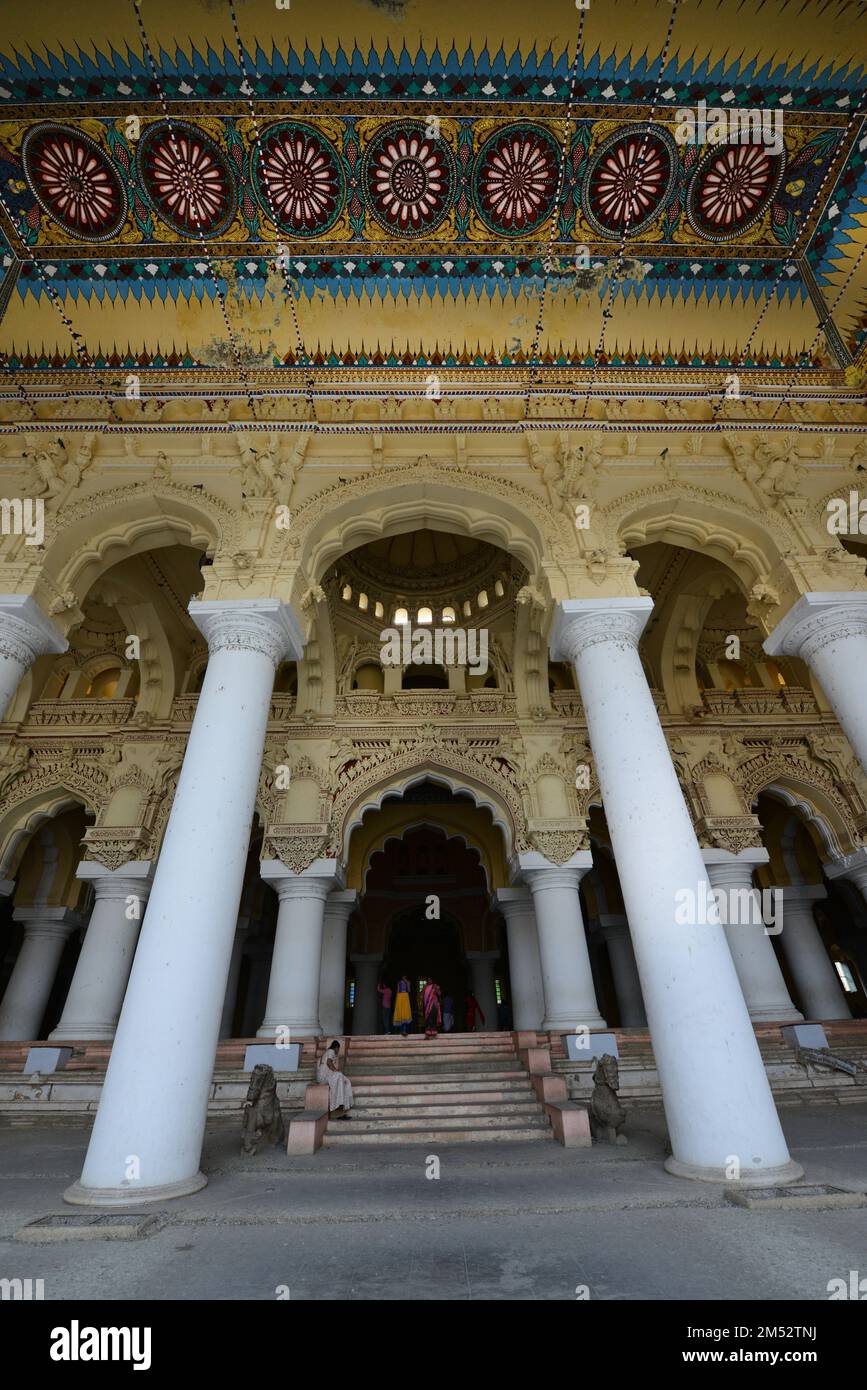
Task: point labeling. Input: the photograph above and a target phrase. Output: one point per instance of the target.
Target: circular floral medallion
(731, 188)
(74, 181)
(299, 179)
(408, 178)
(629, 180)
(515, 179)
(187, 179)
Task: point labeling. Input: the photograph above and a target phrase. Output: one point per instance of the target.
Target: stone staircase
(459, 1088)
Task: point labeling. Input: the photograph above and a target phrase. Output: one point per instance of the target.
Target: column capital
(341, 901)
(511, 900)
(743, 860)
(264, 625)
(317, 881)
(816, 620)
(132, 879)
(530, 864)
(25, 631)
(7, 887)
(806, 893)
(583, 622)
(852, 866)
(48, 921)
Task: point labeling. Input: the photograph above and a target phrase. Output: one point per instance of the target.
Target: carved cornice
(297, 846)
(558, 841)
(113, 846)
(733, 833)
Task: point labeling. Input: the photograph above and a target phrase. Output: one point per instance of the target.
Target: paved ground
(523, 1221)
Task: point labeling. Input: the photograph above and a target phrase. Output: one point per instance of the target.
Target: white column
(293, 989)
(339, 907)
(25, 634)
(147, 1136)
(567, 980)
(852, 866)
(46, 932)
(755, 960)
(525, 969)
(717, 1099)
(366, 1012)
(614, 930)
(812, 970)
(482, 970)
(95, 996)
(829, 632)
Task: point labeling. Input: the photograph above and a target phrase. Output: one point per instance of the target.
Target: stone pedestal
(525, 969)
(765, 993)
(339, 907)
(95, 996)
(814, 975)
(25, 634)
(567, 980)
(483, 966)
(46, 932)
(147, 1136)
(717, 1099)
(366, 1012)
(829, 632)
(614, 930)
(293, 990)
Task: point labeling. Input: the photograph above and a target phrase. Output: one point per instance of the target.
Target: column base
(309, 1029)
(750, 1177)
(79, 1196)
(568, 1025)
(87, 1034)
(776, 1016)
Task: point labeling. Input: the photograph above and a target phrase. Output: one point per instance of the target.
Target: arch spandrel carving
(438, 495)
(84, 539)
(841, 809)
(455, 767)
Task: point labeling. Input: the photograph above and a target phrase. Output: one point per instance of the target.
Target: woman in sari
(402, 1012)
(328, 1073)
(432, 1011)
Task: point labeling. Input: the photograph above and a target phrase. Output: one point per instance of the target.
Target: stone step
(421, 1079)
(413, 1057)
(457, 1110)
(342, 1133)
(401, 1086)
(372, 1095)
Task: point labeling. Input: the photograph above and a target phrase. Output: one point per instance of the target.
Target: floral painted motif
(731, 189)
(74, 182)
(187, 179)
(409, 179)
(299, 179)
(516, 179)
(629, 181)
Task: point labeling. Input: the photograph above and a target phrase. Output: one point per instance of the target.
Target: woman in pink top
(385, 1000)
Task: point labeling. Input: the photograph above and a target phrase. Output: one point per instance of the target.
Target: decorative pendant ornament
(515, 179)
(629, 180)
(408, 178)
(299, 179)
(187, 179)
(74, 182)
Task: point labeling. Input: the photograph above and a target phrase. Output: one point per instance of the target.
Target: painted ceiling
(303, 187)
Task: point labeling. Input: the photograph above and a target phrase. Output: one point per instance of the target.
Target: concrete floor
(520, 1221)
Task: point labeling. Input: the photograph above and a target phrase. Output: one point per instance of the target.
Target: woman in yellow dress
(402, 1010)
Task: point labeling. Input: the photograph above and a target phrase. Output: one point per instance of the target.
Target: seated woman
(339, 1087)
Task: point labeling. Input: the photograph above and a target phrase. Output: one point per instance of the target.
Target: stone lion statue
(263, 1120)
(607, 1116)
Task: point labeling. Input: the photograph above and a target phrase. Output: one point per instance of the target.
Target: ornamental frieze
(113, 846)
